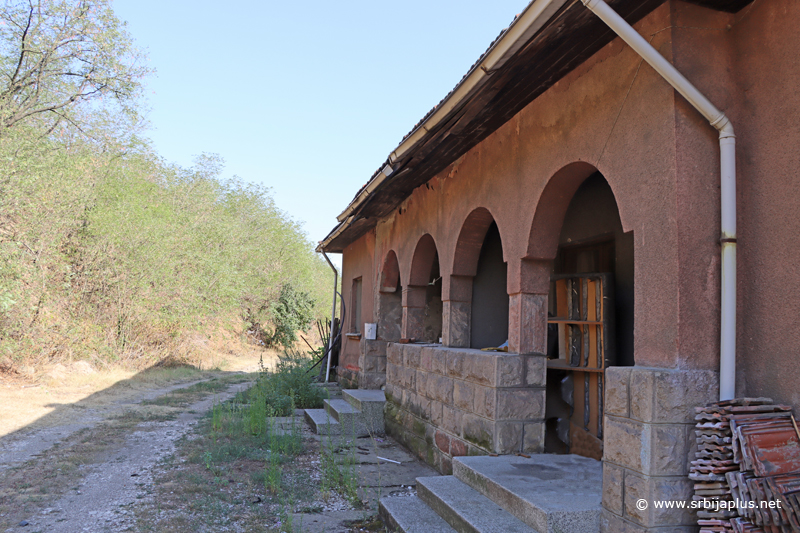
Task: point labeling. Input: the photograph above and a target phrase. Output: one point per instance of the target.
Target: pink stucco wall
(357, 262)
(661, 160)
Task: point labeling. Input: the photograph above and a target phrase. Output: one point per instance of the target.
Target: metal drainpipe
(333, 315)
(727, 149)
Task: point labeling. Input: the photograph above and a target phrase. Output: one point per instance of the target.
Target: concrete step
(333, 390)
(370, 403)
(409, 514)
(350, 419)
(465, 509)
(550, 493)
(322, 423)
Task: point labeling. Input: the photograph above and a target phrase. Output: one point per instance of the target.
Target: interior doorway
(590, 318)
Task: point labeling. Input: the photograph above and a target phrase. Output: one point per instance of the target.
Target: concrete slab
(550, 493)
(465, 509)
(409, 514)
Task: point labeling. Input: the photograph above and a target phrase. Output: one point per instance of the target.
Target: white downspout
(727, 149)
(333, 316)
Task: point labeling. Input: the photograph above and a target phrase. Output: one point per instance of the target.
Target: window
(355, 306)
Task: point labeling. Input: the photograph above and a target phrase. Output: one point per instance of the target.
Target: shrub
(290, 386)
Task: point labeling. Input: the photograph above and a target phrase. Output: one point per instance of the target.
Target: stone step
(465, 509)
(350, 419)
(333, 390)
(550, 493)
(409, 514)
(322, 423)
(370, 403)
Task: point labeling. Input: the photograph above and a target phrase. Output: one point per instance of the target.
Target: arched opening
(390, 306)
(577, 228)
(422, 307)
(490, 294)
(478, 297)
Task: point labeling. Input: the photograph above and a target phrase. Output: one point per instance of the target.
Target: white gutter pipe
(333, 315)
(727, 149)
(519, 32)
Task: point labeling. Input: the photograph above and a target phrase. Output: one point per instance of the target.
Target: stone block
(670, 445)
(452, 420)
(481, 367)
(413, 323)
(373, 347)
(457, 364)
(419, 406)
(374, 363)
(611, 523)
(426, 358)
(651, 449)
(439, 361)
(422, 383)
(651, 489)
(458, 448)
(371, 380)
(508, 437)
(510, 371)
(411, 355)
(463, 395)
(527, 323)
(394, 353)
(456, 323)
(533, 437)
(613, 486)
(624, 442)
(485, 402)
(669, 396)
(390, 391)
(436, 413)
(440, 388)
(442, 441)
(535, 370)
(393, 374)
(478, 431)
(409, 378)
(520, 404)
(617, 387)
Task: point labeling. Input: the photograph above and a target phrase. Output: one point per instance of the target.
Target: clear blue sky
(308, 98)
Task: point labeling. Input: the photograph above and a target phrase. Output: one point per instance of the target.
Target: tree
(59, 56)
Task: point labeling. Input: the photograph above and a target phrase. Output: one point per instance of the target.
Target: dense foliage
(107, 251)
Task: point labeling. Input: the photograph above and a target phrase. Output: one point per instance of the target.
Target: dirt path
(103, 499)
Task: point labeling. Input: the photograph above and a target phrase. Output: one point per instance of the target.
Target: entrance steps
(544, 494)
(358, 413)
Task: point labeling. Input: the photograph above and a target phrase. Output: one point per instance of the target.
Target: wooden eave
(571, 37)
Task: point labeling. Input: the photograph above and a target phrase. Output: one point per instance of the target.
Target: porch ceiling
(568, 39)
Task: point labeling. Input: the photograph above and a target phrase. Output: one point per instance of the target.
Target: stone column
(649, 441)
(457, 312)
(413, 312)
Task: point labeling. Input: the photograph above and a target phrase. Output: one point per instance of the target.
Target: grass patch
(253, 462)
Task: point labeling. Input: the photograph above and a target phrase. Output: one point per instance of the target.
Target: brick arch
(552, 207)
(422, 261)
(390, 273)
(470, 241)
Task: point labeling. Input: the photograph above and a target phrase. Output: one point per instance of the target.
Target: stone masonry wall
(448, 402)
(649, 441)
(372, 364)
